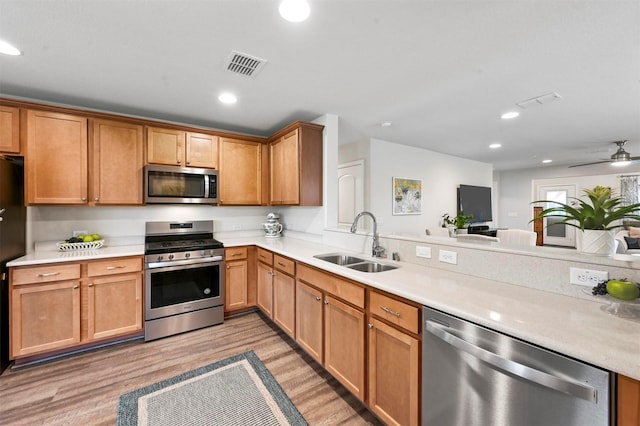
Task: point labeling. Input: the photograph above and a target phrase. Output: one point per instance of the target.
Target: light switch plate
(422, 251)
(447, 256)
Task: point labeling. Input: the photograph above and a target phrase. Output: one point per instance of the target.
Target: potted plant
(595, 218)
(457, 224)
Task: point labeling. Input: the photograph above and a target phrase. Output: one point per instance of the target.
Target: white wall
(518, 188)
(440, 174)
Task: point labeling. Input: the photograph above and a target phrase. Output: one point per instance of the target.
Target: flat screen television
(476, 201)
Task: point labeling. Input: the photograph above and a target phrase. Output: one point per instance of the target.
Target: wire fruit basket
(80, 246)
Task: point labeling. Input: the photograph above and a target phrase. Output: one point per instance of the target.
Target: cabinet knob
(90, 285)
(84, 198)
(96, 199)
(318, 298)
(179, 161)
(370, 326)
(228, 267)
(75, 287)
(326, 302)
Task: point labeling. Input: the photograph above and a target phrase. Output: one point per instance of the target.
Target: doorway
(350, 191)
(556, 234)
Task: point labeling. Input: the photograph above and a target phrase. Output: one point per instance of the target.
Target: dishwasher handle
(520, 370)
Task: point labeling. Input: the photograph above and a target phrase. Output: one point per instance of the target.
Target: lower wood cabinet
(236, 286)
(628, 405)
(67, 305)
(264, 298)
(309, 320)
(284, 294)
(393, 373)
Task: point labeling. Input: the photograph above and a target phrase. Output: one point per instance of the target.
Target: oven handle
(153, 265)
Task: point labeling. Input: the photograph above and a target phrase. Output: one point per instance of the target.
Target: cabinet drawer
(265, 256)
(235, 253)
(285, 265)
(345, 290)
(114, 266)
(44, 274)
(395, 311)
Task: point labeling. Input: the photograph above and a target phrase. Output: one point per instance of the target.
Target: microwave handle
(206, 186)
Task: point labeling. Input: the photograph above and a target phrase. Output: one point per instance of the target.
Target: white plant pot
(462, 231)
(599, 243)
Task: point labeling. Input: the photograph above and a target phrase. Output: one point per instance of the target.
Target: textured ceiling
(441, 71)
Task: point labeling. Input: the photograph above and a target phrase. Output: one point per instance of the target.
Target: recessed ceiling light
(495, 145)
(227, 98)
(294, 10)
(8, 49)
(510, 114)
(547, 161)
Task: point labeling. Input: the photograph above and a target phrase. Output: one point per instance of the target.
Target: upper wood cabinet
(56, 158)
(9, 130)
(180, 148)
(240, 178)
(295, 164)
(116, 164)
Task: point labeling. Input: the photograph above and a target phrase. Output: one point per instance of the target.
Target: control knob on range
(160, 258)
(170, 257)
(187, 255)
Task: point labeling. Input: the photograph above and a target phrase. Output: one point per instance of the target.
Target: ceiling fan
(619, 158)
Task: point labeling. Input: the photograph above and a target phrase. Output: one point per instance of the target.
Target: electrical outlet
(587, 277)
(422, 251)
(236, 227)
(76, 233)
(447, 256)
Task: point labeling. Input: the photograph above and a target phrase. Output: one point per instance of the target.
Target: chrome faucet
(376, 249)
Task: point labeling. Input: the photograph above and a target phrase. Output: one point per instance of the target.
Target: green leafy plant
(600, 211)
(460, 221)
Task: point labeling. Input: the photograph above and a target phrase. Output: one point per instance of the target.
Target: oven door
(173, 290)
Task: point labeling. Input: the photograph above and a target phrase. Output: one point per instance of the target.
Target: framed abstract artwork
(407, 196)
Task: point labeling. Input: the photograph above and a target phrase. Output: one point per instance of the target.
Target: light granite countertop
(579, 328)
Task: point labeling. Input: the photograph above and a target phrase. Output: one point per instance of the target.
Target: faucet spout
(376, 249)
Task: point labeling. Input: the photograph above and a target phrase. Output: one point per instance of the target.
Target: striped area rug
(235, 391)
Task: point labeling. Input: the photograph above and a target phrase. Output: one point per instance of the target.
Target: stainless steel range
(184, 278)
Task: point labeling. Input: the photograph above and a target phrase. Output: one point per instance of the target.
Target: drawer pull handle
(389, 311)
(49, 274)
(236, 254)
(111, 268)
(281, 264)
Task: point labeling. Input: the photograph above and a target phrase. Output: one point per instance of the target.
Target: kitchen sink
(339, 258)
(371, 267)
(353, 262)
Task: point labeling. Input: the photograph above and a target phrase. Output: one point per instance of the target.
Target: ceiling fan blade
(590, 164)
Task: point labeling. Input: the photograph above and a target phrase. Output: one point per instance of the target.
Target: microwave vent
(244, 64)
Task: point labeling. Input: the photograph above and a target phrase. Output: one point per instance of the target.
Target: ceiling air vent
(539, 100)
(243, 64)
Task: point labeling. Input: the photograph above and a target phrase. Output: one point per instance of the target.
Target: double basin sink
(355, 263)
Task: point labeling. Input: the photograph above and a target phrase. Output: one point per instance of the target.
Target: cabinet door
(44, 317)
(9, 130)
(114, 305)
(265, 289)
(628, 401)
(165, 146)
(285, 177)
(117, 162)
(56, 158)
(235, 285)
(393, 374)
(284, 302)
(202, 150)
(344, 345)
(309, 320)
(240, 172)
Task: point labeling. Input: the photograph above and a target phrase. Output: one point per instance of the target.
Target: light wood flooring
(83, 389)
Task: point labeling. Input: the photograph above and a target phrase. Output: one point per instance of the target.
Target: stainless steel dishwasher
(472, 375)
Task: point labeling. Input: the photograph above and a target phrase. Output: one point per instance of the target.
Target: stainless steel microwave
(180, 185)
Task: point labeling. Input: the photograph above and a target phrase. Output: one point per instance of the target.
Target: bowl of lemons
(81, 242)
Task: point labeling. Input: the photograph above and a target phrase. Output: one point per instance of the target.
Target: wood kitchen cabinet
(73, 160)
(236, 294)
(628, 405)
(241, 169)
(340, 345)
(264, 290)
(67, 306)
(9, 130)
(56, 158)
(295, 164)
(394, 359)
(116, 163)
(179, 148)
(284, 294)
